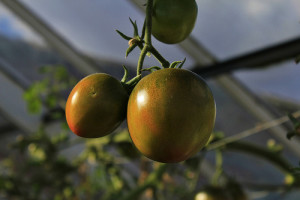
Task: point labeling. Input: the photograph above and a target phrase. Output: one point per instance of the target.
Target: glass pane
(229, 28)
(281, 80)
(12, 28)
(90, 26)
(23, 51)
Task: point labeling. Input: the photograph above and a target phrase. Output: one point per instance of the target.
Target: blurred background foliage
(41, 165)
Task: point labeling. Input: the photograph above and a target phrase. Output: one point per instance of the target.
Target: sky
(225, 27)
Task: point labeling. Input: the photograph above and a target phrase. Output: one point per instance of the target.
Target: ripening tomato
(96, 106)
(173, 20)
(170, 115)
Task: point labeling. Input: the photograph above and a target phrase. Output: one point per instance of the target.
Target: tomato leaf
(182, 62)
(143, 30)
(130, 49)
(125, 77)
(136, 32)
(176, 63)
(123, 35)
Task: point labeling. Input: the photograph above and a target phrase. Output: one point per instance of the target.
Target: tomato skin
(96, 106)
(170, 115)
(173, 20)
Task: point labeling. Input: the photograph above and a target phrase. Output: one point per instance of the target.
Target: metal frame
(51, 37)
(260, 58)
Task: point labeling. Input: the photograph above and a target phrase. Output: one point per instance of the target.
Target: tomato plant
(96, 106)
(170, 115)
(173, 20)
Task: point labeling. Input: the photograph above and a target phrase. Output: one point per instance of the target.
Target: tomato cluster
(170, 113)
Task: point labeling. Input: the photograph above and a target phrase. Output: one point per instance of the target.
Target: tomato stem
(159, 57)
(148, 44)
(219, 167)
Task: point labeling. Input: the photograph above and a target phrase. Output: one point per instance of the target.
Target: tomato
(96, 106)
(173, 20)
(170, 115)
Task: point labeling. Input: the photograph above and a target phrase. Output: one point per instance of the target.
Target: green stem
(148, 22)
(272, 157)
(159, 57)
(148, 43)
(141, 60)
(219, 167)
(156, 55)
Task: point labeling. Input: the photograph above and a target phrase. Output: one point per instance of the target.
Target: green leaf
(123, 35)
(143, 30)
(125, 76)
(61, 73)
(130, 49)
(176, 63)
(51, 100)
(45, 69)
(136, 32)
(180, 66)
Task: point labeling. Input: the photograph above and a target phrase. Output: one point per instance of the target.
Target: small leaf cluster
(50, 90)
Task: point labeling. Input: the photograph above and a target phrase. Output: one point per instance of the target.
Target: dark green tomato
(173, 20)
(170, 115)
(96, 106)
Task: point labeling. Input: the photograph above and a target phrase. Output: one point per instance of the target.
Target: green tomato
(173, 20)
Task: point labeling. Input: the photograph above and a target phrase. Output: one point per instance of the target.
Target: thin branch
(258, 151)
(148, 43)
(252, 131)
